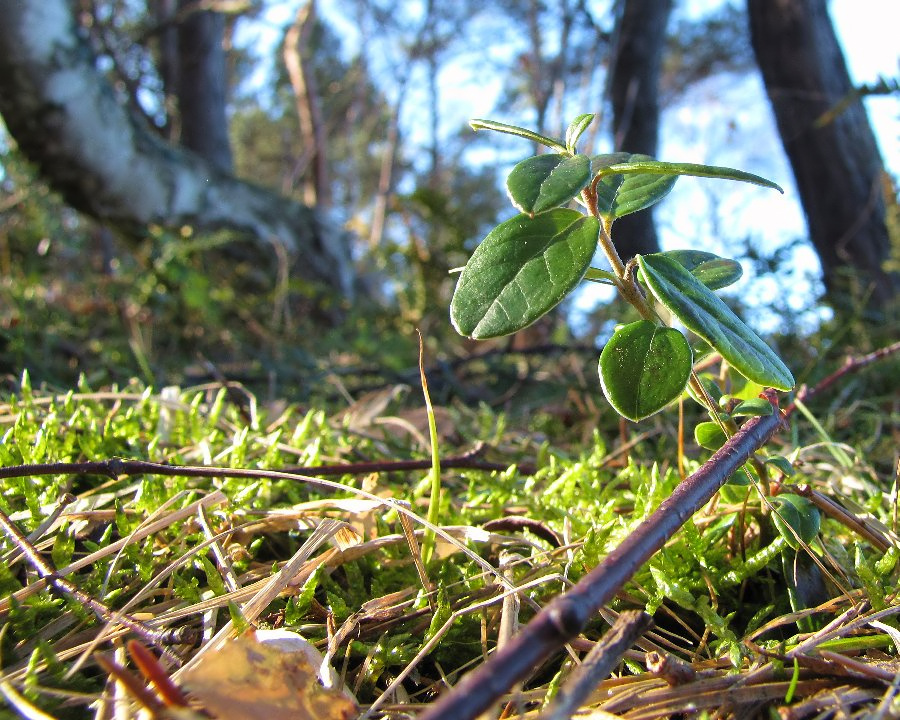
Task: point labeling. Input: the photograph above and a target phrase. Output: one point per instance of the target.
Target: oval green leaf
(523, 268)
(713, 271)
(743, 477)
(577, 126)
(709, 435)
(547, 181)
(712, 389)
(754, 407)
(782, 463)
(621, 194)
(795, 517)
(643, 368)
(705, 314)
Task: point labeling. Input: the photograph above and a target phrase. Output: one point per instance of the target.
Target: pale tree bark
(386, 174)
(640, 37)
(109, 164)
(837, 166)
(546, 75)
(317, 187)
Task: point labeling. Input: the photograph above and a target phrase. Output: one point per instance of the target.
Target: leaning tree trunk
(837, 167)
(111, 166)
(634, 89)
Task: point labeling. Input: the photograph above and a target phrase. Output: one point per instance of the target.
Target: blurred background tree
(837, 166)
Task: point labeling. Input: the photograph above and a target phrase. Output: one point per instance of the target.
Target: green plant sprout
(526, 266)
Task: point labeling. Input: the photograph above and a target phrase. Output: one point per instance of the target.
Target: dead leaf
(246, 678)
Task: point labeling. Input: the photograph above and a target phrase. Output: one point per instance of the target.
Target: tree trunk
(111, 166)
(202, 84)
(317, 186)
(165, 13)
(634, 89)
(837, 166)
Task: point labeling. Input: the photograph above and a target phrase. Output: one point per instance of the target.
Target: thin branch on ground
(67, 589)
(114, 468)
(568, 614)
(599, 663)
(851, 365)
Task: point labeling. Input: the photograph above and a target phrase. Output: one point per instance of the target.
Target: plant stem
(598, 664)
(625, 281)
(68, 589)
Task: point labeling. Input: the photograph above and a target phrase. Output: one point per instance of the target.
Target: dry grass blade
(214, 498)
(21, 704)
(270, 590)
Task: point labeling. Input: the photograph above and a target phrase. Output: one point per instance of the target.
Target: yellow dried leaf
(247, 679)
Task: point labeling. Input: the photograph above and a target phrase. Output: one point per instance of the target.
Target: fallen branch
(851, 364)
(598, 664)
(67, 589)
(115, 467)
(567, 615)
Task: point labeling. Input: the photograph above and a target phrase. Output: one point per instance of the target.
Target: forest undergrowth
(262, 475)
(118, 574)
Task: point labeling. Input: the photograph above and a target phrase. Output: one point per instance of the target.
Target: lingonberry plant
(528, 264)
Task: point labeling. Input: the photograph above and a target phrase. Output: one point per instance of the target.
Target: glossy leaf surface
(479, 124)
(709, 435)
(705, 314)
(743, 477)
(643, 368)
(782, 463)
(522, 269)
(576, 127)
(753, 407)
(629, 183)
(644, 164)
(620, 194)
(712, 389)
(713, 271)
(796, 516)
(547, 181)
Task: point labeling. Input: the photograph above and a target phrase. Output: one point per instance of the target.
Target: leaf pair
(625, 183)
(644, 366)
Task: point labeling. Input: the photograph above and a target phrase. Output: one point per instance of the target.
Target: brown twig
(566, 615)
(851, 364)
(116, 467)
(131, 682)
(468, 461)
(674, 671)
(156, 675)
(598, 664)
(517, 523)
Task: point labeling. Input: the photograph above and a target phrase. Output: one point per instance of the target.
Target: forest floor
(149, 532)
(158, 535)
